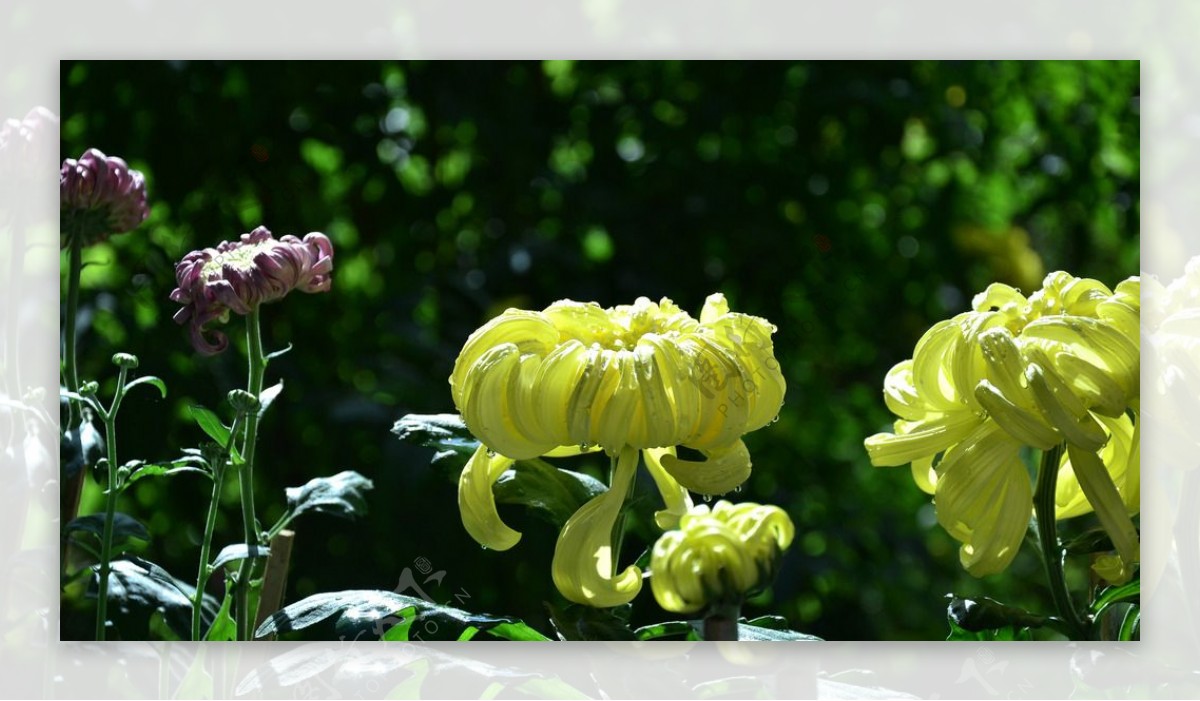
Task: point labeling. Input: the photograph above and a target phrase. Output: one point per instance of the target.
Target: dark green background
(852, 204)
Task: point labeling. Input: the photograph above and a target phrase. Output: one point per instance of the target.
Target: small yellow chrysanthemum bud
(717, 557)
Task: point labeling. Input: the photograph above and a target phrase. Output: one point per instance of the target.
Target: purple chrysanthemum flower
(100, 196)
(237, 276)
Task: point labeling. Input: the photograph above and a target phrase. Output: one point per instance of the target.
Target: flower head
(717, 557)
(238, 276)
(100, 196)
(644, 377)
(1060, 366)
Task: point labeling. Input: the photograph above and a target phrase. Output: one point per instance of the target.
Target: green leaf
(137, 588)
(125, 529)
(579, 622)
(210, 423)
(770, 628)
(445, 433)
(382, 614)
(223, 628)
(1131, 624)
(554, 493)
(179, 466)
(668, 629)
(1005, 633)
(79, 447)
(239, 551)
(516, 631)
(268, 396)
(977, 615)
(343, 494)
(149, 380)
(275, 354)
(1111, 595)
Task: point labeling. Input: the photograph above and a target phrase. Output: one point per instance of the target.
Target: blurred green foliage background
(851, 203)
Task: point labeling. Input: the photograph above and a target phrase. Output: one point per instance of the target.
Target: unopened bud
(125, 360)
(242, 401)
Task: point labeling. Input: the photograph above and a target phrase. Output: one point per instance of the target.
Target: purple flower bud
(100, 196)
(237, 276)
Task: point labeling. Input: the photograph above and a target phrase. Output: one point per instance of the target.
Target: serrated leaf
(268, 396)
(976, 615)
(377, 613)
(555, 493)
(140, 587)
(445, 433)
(125, 527)
(239, 551)
(343, 494)
(210, 423)
(149, 380)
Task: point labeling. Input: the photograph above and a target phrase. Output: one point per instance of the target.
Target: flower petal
(1098, 486)
(725, 469)
(477, 503)
(583, 566)
(914, 440)
(984, 499)
(675, 496)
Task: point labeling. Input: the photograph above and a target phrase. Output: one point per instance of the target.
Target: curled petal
(1120, 456)
(724, 470)
(1024, 425)
(675, 496)
(1102, 493)
(1064, 410)
(477, 503)
(583, 566)
(918, 439)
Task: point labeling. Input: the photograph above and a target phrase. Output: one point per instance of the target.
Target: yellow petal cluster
(1059, 366)
(716, 557)
(576, 378)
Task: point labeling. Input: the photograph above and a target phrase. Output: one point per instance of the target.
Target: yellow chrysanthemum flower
(716, 557)
(646, 377)
(1060, 366)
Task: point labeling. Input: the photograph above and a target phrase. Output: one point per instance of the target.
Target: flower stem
(721, 623)
(210, 523)
(70, 366)
(258, 366)
(110, 508)
(1052, 552)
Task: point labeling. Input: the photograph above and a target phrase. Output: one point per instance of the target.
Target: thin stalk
(1052, 552)
(110, 508)
(721, 623)
(71, 369)
(210, 523)
(258, 366)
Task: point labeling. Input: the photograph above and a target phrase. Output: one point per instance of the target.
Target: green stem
(721, 623)
(71, 368)
(110, 508)
(1052, 552)
(210, 523)
(258, 366)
